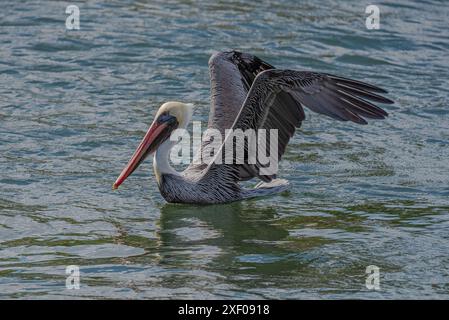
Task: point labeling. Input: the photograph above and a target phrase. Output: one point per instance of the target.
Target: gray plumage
(248, 93)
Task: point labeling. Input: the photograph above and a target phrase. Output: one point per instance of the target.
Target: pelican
(248, 93)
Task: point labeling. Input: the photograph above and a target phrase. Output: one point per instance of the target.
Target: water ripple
(73, 105)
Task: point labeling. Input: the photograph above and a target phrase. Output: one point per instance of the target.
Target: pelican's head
(170, 116)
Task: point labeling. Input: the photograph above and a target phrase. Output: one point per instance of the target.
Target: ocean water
(74, 104)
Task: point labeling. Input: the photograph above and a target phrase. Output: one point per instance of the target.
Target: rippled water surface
(74, 105)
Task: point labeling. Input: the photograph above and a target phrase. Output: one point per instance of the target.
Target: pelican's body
(248, 93)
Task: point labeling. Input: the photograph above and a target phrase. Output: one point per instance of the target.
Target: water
(74, 105)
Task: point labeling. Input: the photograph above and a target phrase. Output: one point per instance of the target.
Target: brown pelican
(248, 93)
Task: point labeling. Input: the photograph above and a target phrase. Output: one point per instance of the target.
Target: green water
(74, 105)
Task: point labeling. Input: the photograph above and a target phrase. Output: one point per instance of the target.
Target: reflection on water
(73, 106)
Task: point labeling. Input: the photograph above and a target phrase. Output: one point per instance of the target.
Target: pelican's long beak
(158, 132)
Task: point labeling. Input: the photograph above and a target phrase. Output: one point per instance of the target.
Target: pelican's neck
(161, 161)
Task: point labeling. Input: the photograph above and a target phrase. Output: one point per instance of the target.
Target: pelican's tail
(267, 188)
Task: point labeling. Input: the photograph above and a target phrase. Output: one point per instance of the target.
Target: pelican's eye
(168, 119)
(163, 117)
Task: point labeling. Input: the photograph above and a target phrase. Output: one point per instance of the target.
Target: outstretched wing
(232, 74)
(340, 98)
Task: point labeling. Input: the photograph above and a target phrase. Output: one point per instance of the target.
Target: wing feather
(275, 100)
